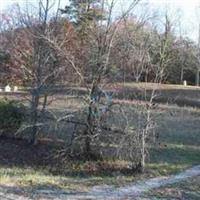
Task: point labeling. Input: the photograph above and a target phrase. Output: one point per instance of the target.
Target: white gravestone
(15, 89)
(7, 88)
(185, 83)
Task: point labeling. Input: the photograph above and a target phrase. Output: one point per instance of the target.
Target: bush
(11, 116)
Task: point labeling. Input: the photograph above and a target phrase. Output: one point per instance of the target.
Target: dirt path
(132, 191)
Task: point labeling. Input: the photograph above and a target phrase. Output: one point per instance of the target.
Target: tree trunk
(143, 152)
(44, 103)
(197, 77)
(137, 79)
(88, 132)
(34, 118)
(88, 146)
(181, 78)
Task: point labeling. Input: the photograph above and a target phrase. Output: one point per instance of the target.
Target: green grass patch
(40, 178)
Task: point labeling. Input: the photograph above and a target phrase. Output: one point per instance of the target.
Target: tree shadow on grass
(18, 158)
(172, 158)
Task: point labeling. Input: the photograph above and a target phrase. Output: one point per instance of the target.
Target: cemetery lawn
(37, 166)
(178, 148)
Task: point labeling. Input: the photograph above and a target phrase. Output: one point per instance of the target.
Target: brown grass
(178, 129)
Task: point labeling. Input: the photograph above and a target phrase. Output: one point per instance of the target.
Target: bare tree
(39, 59)
(103, 121)
(102, 42)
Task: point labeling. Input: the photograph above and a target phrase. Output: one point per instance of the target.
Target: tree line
(136, 48)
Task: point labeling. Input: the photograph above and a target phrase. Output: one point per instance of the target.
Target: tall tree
(82, 11)
(45, 65)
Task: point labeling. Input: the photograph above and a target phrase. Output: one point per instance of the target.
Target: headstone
(15, 88)
(185, 83)
(7, 88)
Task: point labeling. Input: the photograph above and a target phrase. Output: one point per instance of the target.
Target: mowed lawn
(165, 93)
(177, 148)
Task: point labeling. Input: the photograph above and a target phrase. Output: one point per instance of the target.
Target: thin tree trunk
(137, 79)
(143, 152)
(197, 77)
(44, 103)
(181, 78)
(88, 132)
(34, 118)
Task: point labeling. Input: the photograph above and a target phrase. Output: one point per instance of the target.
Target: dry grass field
(177, 148)
(172, 94)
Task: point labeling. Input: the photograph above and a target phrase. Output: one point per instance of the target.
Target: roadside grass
(189, 189)
(42, 179)
(36, 178)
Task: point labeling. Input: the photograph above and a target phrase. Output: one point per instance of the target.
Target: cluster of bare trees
(86, 45)
(136, 41)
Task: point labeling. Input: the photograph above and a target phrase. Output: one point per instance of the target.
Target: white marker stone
(7, 88)
(15, 88)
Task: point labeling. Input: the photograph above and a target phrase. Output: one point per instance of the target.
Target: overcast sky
(185, 11)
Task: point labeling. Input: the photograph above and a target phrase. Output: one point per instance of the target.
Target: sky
(185, 12)
(4, 4)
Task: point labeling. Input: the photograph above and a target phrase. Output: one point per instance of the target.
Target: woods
(134, 47)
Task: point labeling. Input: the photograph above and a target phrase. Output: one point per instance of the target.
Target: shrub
(11, 116)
